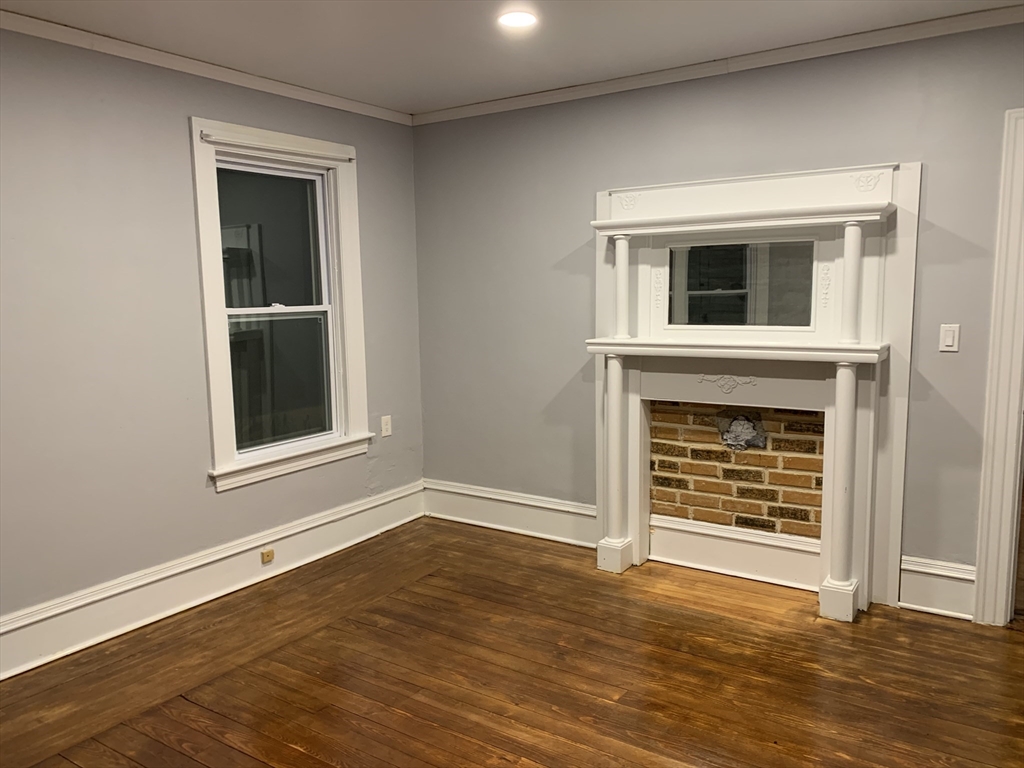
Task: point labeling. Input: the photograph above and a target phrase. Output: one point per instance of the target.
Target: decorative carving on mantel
(826, 284)
(866, 182)
(659, 287)
(727, 383)
(628, 200)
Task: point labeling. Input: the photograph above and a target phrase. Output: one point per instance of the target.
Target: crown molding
(967, 22)
(59, 33)
(997, 17)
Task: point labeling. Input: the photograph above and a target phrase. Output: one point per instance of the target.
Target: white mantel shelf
(832, 353)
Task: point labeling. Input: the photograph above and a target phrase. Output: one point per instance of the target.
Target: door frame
(999, 511)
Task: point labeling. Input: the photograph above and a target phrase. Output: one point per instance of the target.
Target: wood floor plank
(441, 645)
(499, 720)
(433, 742)
(681, 679)
(755, 725)
(33, 729)
(55, 762)
(159, 636)
(240, 737)
(91, 754)
(188, 741)
(144, 750)
(737, 643)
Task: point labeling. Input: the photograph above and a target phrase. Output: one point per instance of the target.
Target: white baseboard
(44, 632)
(791, 561)
(539, 516)
(935, 586)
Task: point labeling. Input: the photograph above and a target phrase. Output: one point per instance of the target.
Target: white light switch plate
(949, 337)
(385, 426)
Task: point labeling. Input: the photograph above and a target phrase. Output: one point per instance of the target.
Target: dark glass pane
(280, 377)
(790, 277)
(765, 284)
(717, 268)
(270, 239)
(724, 309)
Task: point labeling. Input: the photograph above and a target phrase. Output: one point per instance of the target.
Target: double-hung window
(279, 250)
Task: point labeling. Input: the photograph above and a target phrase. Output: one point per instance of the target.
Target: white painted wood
(741, 349)
(638, 458)
(615, 551)
(333, 167)
(803, 216)
(895, 321)
(853, 237)
(48, 631)
(865, 411)
(841, 570)
(312, 454)
(801, 206)
(664, 281)
(856, 42)
(935, 586)
(862, 193)
(108, 45)
(537, 516)
(999, 511)
(621, 286)
(791, 561)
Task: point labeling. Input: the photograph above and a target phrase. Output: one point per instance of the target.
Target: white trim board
(790, 561)
(967, 22)
(999, 510)
(539, 516)
(936, 586)
(48, 631)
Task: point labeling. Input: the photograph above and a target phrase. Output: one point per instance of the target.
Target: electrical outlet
(266, 556)
(385, 426)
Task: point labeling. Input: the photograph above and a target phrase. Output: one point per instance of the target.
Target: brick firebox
(776, 489)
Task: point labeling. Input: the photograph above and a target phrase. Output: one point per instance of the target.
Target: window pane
(280, 377)
(717, 268)
(768, 284)
(270, 239)
(790, 277)
(725, 309)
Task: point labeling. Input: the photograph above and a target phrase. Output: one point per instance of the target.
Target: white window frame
(216, 144)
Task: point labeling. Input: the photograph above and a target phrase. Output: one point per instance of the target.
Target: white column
(614, 551)
(853, 245)
(622, 286)
(837, 596)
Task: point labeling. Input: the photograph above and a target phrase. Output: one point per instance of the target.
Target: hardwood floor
(444, 645)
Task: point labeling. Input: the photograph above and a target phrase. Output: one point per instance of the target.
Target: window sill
(311, 455)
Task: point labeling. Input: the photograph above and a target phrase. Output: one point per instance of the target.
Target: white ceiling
(416, 56)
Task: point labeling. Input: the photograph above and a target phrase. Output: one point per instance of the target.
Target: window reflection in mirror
(767, 284)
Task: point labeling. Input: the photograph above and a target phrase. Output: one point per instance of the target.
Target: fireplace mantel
(863, 225)
(808, 353)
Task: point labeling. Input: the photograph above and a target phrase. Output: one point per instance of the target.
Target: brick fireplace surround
(775, 489)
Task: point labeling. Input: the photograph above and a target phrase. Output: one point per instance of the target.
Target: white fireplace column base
(614, 556)
(838, 601)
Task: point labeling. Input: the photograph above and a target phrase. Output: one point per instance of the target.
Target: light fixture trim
(517, 19)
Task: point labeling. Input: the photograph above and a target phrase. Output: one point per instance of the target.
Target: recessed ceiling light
(517, 19)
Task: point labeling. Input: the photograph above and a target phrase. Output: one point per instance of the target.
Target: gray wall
(104, 427)
(506, 254)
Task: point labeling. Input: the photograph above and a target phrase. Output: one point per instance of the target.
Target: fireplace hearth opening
(754, 468)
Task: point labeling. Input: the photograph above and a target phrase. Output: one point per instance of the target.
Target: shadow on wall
(573, 405)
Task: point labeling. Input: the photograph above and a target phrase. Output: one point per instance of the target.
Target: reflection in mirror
(743, 284)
